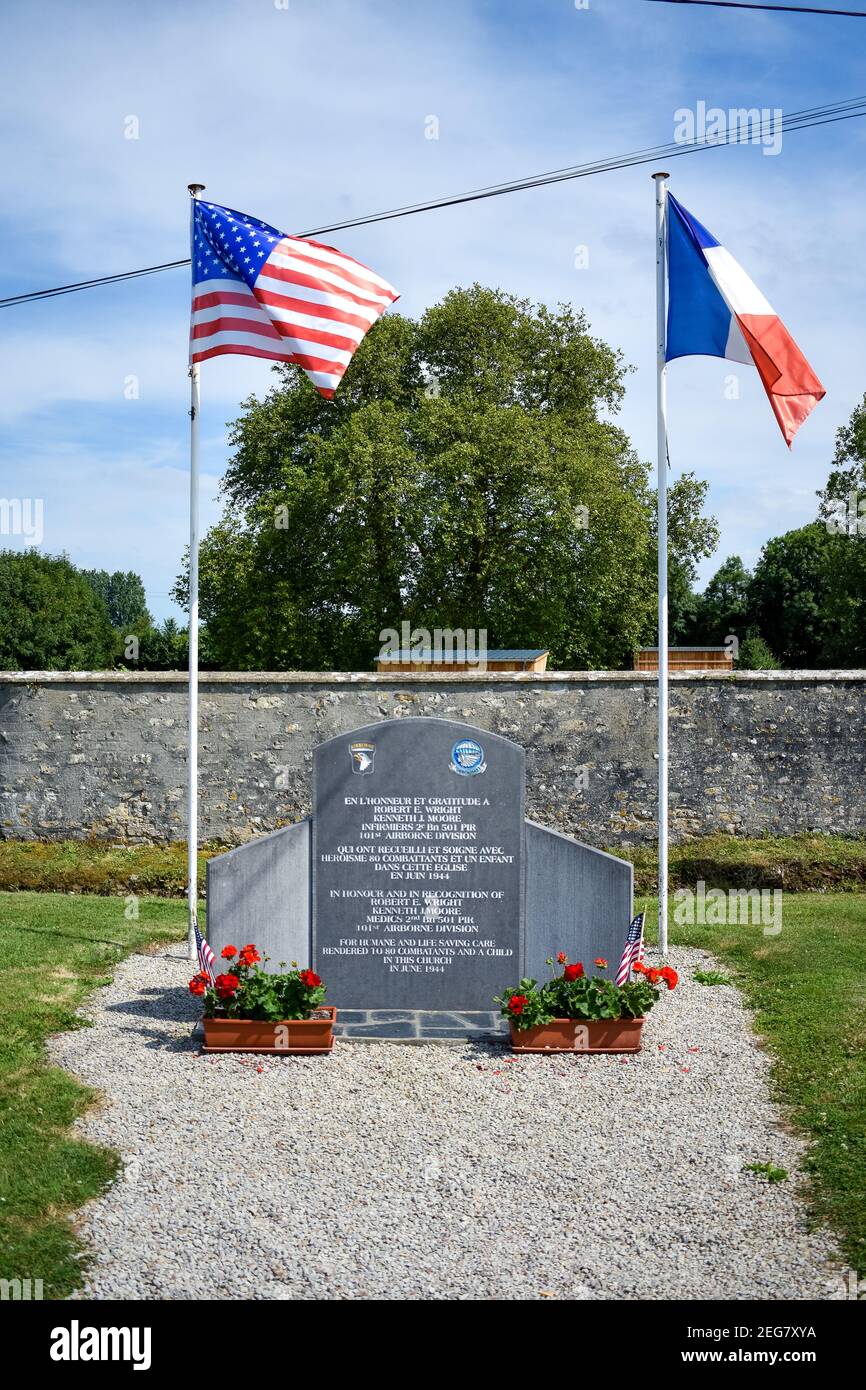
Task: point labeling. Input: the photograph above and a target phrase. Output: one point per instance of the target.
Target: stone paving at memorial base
(418, 1025)
(441, 1172)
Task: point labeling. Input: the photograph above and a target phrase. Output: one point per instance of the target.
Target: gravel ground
(438, 1172)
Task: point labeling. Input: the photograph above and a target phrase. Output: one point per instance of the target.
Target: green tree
(683, 609)
(724, 609)
(755, 655)
(162, 648)
(50, 617)
(124, 597)
(792, 590)
(848, 473)
(466, 475)
(843, 510)
(725, 606)
(691, 536)
(165, 647)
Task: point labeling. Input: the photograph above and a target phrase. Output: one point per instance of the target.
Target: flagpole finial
(661, 175)
(195, 189)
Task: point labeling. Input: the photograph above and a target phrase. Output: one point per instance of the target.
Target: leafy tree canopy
(755, 655)
(725, 607)
(848, 470)
(50, 617)
(805, 604)
(468, 474)
(124, 597)
(165, 647)
(808, 596)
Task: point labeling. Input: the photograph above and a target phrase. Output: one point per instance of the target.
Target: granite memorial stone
(417, 865)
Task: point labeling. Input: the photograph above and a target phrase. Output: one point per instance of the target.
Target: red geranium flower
(639, 968)
(517, 1003)
(248, 955)
(653, 976)
(601, 962)
(573, 972)
(198, 984)
(228, 952)
(562, 958)
(670, 976)
(226, 985)
(310, 979)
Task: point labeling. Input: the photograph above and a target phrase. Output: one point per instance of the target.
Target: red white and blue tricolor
(262, 293)
(715, 310)
(633, 950)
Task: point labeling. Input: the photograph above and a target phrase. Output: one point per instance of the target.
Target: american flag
(260, 292)
(633, 949)
(206, 957)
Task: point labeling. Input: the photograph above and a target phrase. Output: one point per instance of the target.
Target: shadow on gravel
(169, 1003)
(156, 1041)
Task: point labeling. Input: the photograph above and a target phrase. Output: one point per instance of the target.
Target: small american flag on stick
(633, 949)
(259, 292)
(206, 957)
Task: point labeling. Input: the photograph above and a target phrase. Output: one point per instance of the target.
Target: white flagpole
(662, 459)
(192, 760)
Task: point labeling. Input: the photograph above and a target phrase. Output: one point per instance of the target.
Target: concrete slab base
(419, 1025)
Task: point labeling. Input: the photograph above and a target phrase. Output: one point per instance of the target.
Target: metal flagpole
(662, 454)
(192, 762)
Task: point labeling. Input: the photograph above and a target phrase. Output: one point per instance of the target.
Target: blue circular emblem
(467, 757)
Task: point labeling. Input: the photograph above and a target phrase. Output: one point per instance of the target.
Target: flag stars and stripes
(291, 300)
(206, 957)
(633, 950)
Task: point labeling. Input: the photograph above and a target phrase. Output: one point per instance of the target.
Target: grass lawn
(92, 866)
(54, 949)
(797, 863)
(808, 985)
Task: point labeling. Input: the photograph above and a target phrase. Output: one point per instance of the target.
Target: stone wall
(104, 754)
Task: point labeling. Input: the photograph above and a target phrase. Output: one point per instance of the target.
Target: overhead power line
(797, 120)
(89, 284)
(747, 5)
(806, 119)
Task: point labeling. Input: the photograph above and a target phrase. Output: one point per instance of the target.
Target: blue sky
(304, 112)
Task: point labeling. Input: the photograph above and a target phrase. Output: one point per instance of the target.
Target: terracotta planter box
(579, 1035)
(314, 1034)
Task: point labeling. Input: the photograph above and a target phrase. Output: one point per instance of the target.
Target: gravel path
(414, 1172)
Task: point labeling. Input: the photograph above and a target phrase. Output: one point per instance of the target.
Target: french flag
(714, 310)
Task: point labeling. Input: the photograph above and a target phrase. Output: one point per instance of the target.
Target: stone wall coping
(403, 678)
